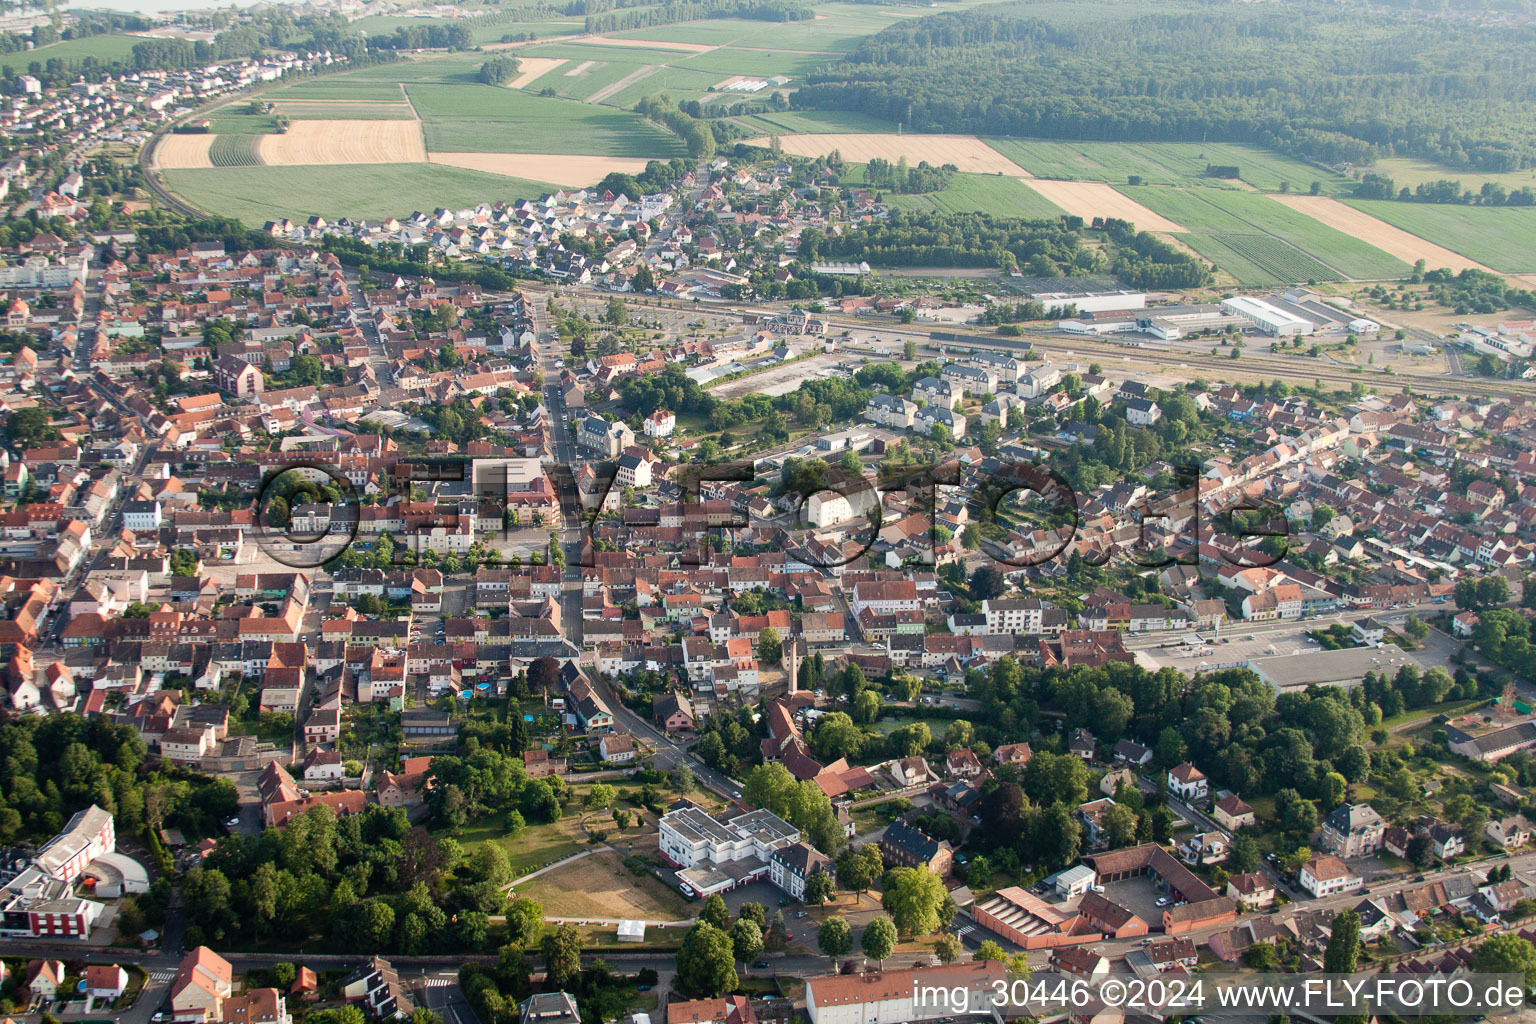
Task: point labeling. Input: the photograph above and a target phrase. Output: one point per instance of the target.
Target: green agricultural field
(838, 27)
(814, 122)
(637, 54)
(1247, 272)
(1258, 259)
(347, 87)
(108, 49)
(988, 193)
(1237, 216)
(1346, 253)
(485, 34)
(232, 120)
(677, 82)
(1500, 237)
(1187, 208)
(259, 194)
(235, 151)
(309, 110)
(480, 119)
(763, 63)
(594, 79)
(1164, 163)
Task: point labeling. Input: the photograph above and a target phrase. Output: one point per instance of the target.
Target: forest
(693, 10)
(1328, 83)
(1043, 248)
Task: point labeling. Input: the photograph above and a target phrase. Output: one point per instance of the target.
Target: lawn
(258, 194)
(1232, 220)
(532, 848)
(600, 885)
(988, 193)
(1499, 237)
(479, 119)
(108, 49)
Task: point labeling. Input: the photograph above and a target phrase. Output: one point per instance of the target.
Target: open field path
(613, 88)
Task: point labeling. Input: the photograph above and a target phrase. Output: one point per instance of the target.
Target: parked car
(1162, 901)
(761, 965)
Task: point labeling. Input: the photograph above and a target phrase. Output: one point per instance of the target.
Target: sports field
(997, 194)
(259, 194)
(1501, 237)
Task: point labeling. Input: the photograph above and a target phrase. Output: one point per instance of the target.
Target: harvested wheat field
(966, 152)
(531, 68)
(1407, 247)
(560, 169)
(646, 44)
(599, 886)
(178, 152)
(345, 142)
(1088, 199)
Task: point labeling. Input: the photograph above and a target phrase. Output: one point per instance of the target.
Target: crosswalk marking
(439, 982)
(162, 976)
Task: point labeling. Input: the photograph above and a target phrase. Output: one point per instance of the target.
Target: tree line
(1326, 83)
(696, 10)
(1443, 190)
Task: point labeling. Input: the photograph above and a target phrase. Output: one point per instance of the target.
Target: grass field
(259, 194)
(462, 119)
(999, 195)
(532, 848)
(1500, 237)
(1164, 163)
(1232, 218)
(1409, 172)
(108, 49)
(600, 886)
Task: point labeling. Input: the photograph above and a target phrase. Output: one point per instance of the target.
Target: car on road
(761, 965)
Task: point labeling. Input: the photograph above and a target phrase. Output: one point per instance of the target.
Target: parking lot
(1235, 646)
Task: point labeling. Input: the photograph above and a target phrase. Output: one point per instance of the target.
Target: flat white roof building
(1267, 317)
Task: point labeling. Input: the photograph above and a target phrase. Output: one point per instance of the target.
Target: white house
(1188, 783)
(660, 424)
(1327, 875)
